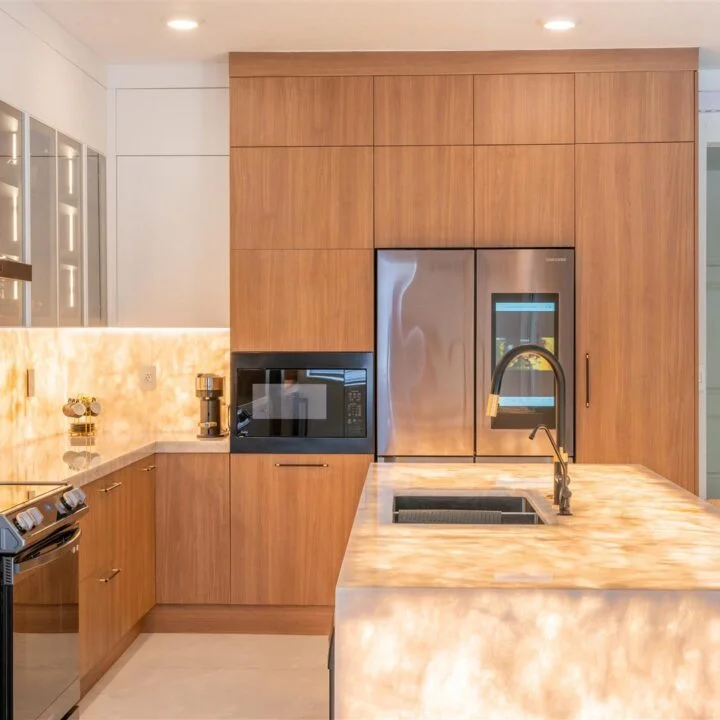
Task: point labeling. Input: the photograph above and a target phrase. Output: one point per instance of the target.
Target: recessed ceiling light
(182, 24)
(559, 24)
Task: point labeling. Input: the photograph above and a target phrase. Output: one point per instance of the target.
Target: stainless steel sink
(465, 510)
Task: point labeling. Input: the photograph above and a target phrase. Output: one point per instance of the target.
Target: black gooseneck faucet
(561, 490)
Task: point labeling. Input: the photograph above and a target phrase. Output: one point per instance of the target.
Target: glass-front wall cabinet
(96, 240)
(43, 225)
(70, 232)
(11, 211)
(58, 185)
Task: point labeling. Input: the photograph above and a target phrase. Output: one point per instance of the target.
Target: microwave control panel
(355, 404)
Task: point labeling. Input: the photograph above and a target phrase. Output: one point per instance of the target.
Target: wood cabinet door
(424, 110)
(423, 197)
(301, 198)
(524, 196)
(193, 529)
(96, 547)
(309, 111)
(302, 300)
(524, 109)
(291, 517)
(636, 307)
(99, 621)
(619, 107)
(136, 541)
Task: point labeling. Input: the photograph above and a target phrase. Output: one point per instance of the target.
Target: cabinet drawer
(99, 619)
(97, 545)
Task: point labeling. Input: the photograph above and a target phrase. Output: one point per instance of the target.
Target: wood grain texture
(636, 307)
(524, 109)
(635, 107)
(301, 198)
(251, 619)
(251, 64)
(424, 197)
(193, 493)
(301, 111)
(290, 526)
(99, 621)
(90, 678)
(300, 300)
(524, 196)
(435, 110)
(118, 535)
(137, 541)
(96, 543)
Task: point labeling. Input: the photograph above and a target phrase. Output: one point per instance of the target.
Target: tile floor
(204, 677)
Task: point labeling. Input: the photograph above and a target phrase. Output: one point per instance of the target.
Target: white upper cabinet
(188, 121)
(173, 241)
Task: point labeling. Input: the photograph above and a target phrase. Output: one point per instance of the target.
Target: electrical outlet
(148, 377)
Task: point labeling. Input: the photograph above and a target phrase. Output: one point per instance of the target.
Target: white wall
(169, 231)
(46, 72)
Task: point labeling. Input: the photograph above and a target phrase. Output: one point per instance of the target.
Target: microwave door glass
(528, 389)
(301, 403)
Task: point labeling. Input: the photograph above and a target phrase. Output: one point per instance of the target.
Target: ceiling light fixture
(559, 24)
(182, 24)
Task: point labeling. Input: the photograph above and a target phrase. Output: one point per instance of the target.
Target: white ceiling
(128, 31)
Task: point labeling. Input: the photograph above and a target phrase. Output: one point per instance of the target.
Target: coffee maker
(209, 388)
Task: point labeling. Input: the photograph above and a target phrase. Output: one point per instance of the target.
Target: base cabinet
(117, 559)
(291, 517)
(193, 529)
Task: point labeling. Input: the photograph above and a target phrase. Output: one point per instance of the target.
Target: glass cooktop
(14, 495)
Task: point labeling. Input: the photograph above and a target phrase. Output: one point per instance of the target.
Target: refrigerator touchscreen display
(528, 388)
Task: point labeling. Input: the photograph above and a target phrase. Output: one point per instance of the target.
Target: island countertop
(630, 528)
(613, 612)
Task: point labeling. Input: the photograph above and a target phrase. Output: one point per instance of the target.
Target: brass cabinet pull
(301, 465)
(148, 468)
(112, 487)
(113, 574)
(587, 380)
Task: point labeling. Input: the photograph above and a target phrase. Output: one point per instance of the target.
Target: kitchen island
(613, 612)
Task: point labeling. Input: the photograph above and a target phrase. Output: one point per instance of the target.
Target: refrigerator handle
(587, 380)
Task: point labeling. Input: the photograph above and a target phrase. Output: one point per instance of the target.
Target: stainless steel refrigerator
(444, 320)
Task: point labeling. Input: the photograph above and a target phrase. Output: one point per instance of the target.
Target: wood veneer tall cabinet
(636, 333)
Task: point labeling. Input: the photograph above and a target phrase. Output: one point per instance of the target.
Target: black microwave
(302, 402)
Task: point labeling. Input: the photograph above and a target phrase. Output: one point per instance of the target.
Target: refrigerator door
(425, 352)
(524, 296)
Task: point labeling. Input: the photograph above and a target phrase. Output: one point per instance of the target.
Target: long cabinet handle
(112, 487)
(113, 574)
(587, 380)
(149, 467)
(299, 465)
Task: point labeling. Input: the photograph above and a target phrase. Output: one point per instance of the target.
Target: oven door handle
(51, 555)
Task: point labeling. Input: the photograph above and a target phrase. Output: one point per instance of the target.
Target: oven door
(46, 667)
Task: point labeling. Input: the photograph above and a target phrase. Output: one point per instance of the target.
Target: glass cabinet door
(70, 232)
(11, 235)
(96, 239)
(43, 225)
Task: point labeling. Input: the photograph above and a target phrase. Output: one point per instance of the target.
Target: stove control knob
(73, 499)
(24, 521)
(70, 500)
(36, 515)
